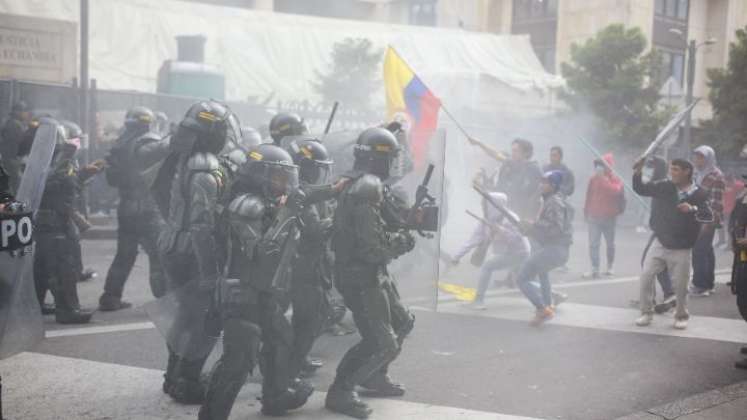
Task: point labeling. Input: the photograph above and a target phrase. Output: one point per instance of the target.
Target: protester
(678, 208)
(518, 177)
(509, 247)
(709, 177)
(734, 189)
(552, 232)
(738, 234)
(556, 164)
(605, 200)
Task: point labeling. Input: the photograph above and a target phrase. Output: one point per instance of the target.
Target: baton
(504, 211)
(331, 117)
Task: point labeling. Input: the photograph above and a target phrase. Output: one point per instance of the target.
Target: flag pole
(445, 110)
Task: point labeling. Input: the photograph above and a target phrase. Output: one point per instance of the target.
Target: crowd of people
(238, 231)
(690, 202)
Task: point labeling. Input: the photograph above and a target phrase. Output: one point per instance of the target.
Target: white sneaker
(680, 324)
(591, 275)
(475, 306)
(644, 320)
(609, 273)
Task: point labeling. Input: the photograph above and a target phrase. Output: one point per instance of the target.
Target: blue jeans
(597, 229)
(538, 265)
(497, 262)
(704, 260)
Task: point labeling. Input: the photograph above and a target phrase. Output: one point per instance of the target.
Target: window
(672, 65)
(682, 9)
(535, 9)
(659, 7)
(423, 12)
(675, 9)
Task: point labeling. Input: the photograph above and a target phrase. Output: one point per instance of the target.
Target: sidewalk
(728, 403)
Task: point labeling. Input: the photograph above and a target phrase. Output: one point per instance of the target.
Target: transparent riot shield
(20, 316)
(181, 317)
(417, 273)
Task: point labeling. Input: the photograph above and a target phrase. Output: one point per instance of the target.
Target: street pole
(692, 49)
(83, 119)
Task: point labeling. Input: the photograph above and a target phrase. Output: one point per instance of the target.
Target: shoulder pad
(150, 136)
(203, 162)
(235, 158)
(247, 206)
(367, 188)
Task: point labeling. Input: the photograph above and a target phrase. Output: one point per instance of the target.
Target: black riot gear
(286, 124)
(270, 170)
(205, 128)
(139, 117)
(375, 152)
(313, 160)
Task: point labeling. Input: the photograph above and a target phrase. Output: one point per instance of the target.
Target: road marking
(608, 319)
(43, 387)
(71, 332)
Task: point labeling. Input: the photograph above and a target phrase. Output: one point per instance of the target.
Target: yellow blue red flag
(405, 92)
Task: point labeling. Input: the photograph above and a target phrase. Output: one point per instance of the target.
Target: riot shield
(417, 272)
(20, 316)
(180, 316)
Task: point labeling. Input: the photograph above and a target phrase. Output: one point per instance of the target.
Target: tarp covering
(263, 52)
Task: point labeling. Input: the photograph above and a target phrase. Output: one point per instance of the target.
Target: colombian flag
(405, 92)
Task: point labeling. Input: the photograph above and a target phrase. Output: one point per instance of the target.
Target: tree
(611, 77)
(727, 131)
(353, 76)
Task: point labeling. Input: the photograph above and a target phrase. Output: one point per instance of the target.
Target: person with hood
(708, 177)
(510, 248)
(605, 200)
(552, 233)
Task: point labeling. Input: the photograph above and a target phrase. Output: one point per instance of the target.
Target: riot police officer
(188, 189)
(364, 245)
(5, 195)
(311, 273)
(12, 137)
(264, 197)
(56, 259)
(138, 220)
(284, 125)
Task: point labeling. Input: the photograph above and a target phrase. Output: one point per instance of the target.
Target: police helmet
(313, 160)
(139, 117)
(375, 151)
(250, 137)
(205, 128)
(286, 124)
(270, 170)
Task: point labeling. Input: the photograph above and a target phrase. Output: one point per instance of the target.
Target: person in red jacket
(605, 200)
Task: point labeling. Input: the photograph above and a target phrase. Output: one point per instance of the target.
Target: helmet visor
(315, 172)
(281, 179)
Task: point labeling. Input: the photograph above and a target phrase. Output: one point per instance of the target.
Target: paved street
(590, 363)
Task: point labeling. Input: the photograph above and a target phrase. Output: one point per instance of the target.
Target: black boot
(48, 309)
(742, 364)
(381, 385)
(110, 303)
(72, 316)
(743, 350)
(343, 400)
(294, 397)
(168, 377)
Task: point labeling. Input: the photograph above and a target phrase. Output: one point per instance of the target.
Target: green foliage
(727, 131)
(353, 76)
(611, 77)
